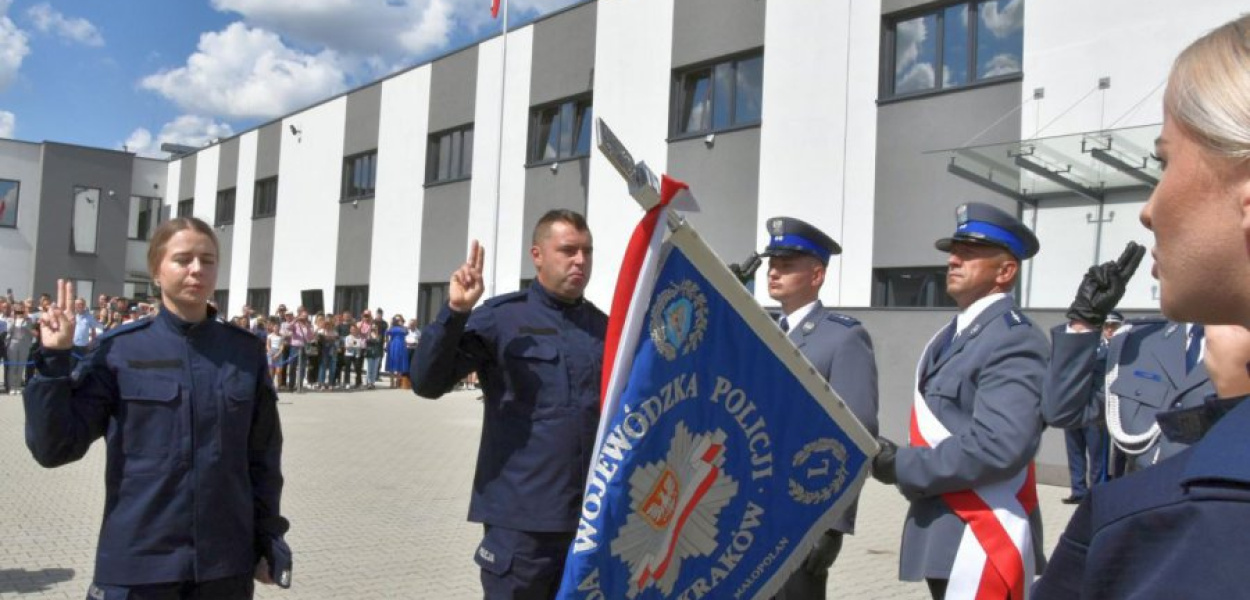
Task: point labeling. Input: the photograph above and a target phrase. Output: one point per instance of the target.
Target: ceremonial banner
(722, 456)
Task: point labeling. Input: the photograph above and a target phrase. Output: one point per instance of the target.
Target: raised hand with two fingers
(56, 326)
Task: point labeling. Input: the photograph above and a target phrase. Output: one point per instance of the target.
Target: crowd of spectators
(306, 352)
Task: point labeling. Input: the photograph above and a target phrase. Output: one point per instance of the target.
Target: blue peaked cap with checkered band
(788, 236)
(985, 224)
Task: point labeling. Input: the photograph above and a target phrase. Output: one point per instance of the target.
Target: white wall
(816, 161)
(22, 163)
(400, 193)
(633, 63)
(244, 195)
(502, 265)
(1068, 46)
(173, 180)
(306, 225)
(206, 163)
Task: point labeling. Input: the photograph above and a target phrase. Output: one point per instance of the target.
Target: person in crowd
(413, 337)
(353, 355)
(101, 301)
(21, 339)
(5, 317)
(84, 326)
(532, 463)
(1169, 530)
(373, 356)
(840, 349)
(1154, 367)
(976, 424)
(143, 387)
(274, 345)
(1089, 460)
(397, 361)
(365, 324)
(297, 347)
(343, 326)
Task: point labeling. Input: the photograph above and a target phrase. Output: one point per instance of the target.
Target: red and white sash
(995, 557)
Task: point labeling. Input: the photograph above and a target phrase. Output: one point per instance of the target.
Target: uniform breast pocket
(538, 378)
(150, 421)
(237, 402)
(1141, 399)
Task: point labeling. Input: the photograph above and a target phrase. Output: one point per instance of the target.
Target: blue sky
(136, 73)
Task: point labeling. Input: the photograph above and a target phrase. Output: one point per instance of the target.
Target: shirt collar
(539, 292)
(793, 319)
(970, 314)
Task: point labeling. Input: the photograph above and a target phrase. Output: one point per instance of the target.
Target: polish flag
(494, 9)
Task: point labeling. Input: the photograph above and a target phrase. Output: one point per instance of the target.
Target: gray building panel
(355, 231)
(889, 7)
(364, 107)
(564, 55)
(268, 149)
(260, 260)
(186, 178)
(916, 197)
(225, 244)
(547, 189)
(149, 177)
(708, 29)
(64, 167)
(453, 90)
(228, 164)
(444, 230)
(726, 175)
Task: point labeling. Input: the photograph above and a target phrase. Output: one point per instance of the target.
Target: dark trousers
(1087, 457)
(521, 565)
(810, 580)
(937, 588)
(352, 364)
(230, 588)
(295, 368)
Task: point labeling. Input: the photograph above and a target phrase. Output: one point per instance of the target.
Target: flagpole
(494, 221)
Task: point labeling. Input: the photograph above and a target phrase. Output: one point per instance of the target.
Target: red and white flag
(494, 9)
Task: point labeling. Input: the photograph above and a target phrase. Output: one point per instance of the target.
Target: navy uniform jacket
(986, 390)
(538, 360)
(1175, 530)
(193, 477)
(1149, 378)
(841, 350)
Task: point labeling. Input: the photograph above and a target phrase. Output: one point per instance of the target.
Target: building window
(186, 207)
(265, 202)
(351, 298)
(954, 46)
(560, 131)
(139, 291)
(85, 221)
(225, 207)
(723, 95)
(8, 202)
(430, 299)
(911, 287)
(220, 298)
(145, 215)
(360, 175)
(258, 299)
(85, 289)
(450, 155)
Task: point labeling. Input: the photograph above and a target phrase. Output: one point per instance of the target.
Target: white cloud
(8, 124)
(920, 76)
(1001, 64)
(246, 72)
(188, 130)
(1003, 23)
(48, 20)
(13, 47)
(910, 35)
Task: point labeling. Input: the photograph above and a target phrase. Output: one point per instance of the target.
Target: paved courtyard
(377, 491)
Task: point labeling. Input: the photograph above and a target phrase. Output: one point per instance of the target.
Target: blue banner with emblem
(726, 456)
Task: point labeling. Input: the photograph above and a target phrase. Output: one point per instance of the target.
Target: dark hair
(558, 215)
(162, 235)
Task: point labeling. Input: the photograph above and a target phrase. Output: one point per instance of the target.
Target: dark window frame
(188, 204)
(356, 185)
(150, 206)
(263, 208)
(678, 95)
(577, 106)
(889, 27)
(433, 155)
(428, 303)
(226, 197)
(932, 285)
(352, 298)
(17, 202)
(259, 300)
(73, 216)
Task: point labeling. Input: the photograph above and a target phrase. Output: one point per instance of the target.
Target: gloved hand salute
(1104, 285)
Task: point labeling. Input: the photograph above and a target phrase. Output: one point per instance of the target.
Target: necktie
(785, 325)
(1195, 347)
(944, 342)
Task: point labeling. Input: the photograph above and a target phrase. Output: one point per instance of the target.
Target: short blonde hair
(1208, 92)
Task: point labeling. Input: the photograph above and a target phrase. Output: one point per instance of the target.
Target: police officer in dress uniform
(190, 420)
(1088, 452)
(836, 344)
(1152, 369)
(538, 354)
(980, 380)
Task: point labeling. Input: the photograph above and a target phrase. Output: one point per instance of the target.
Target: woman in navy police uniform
(190, 421)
